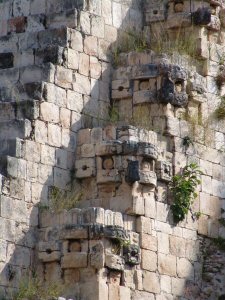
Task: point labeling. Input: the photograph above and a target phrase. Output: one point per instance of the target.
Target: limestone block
(150, 205)
(210, 205)
(107, 12)
(125, 293)
(48, 155)
(163, 242)
(13, 209)
(97, 26)
(138, 295)
(184, 268)
(113, 292)
(76, 40)
(64, 116)
(151, 282)
(64, 77)
(148, 178)
(74, 260)
(165, 282)
(117, 14)
(82, 84)
(95, 67)
(143, 225)
(148, 260)
(114, 262)
(49, 112)
(173, 126)
(62, 178)
(49, 257)
(85, 168)
(40, 132)
(32, 151)
(163, 212)
(177, 246)
(218, 188)
(178, 286)
(72, 59)
(91, 46)
(167, 264)
(203, 225)
(84, 64)
(148, 242)
(54, 135)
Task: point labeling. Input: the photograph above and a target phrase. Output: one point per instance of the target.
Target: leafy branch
(183, 187)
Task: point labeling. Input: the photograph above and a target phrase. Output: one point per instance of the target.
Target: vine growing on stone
(183, 187)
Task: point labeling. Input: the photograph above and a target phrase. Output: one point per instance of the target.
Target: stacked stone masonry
(58, 84)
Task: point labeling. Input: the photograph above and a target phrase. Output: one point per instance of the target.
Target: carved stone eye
(108, 163)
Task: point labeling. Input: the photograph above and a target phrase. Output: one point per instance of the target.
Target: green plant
(32, 288)
(187, 142)
(127, 42)
(219, 242)
(220, 110)
(113, 114)
(60, 199)
(167, 41)
(183, 188)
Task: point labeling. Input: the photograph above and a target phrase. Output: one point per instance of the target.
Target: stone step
(19, 110)
(15, 129)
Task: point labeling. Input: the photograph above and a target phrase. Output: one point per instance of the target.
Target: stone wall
(55, 75)
(57, 86)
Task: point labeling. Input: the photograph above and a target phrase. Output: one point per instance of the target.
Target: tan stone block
(148, 242)
(125, 293)
(63, 77)
(210, 205)
(151, 282)
(148, 260)
(167, 264)
(74, 260)
(114, 292)
(150, 205)
(177, 246)
(87, 150)
(72, 59)
(163, 242)
(203, 225)
(84, 64)
(178, 286)
(91, 46)
(144, 225)
(184, 268)
(138, 280)
(137, 295)
(163, 211)
(165, 282)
